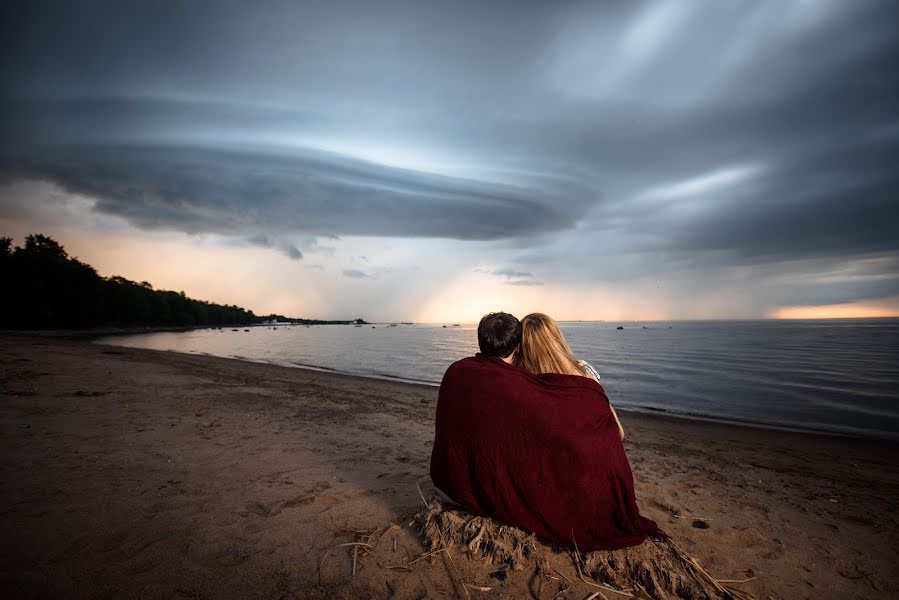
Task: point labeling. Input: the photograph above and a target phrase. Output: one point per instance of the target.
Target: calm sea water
(836, 376)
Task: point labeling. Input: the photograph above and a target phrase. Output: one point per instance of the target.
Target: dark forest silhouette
(43, 287)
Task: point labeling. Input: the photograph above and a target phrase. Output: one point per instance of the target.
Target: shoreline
(143, 473)
(94, 335)
(649, 412)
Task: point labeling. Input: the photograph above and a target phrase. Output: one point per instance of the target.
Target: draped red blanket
(541, 452)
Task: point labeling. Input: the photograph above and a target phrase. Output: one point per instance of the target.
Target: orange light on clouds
(863, 309)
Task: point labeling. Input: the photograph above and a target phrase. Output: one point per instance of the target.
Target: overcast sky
(434, 161)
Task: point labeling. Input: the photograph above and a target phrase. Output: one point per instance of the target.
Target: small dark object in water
(444, 326)
(244, 330)
(619, 327)
(700, 524)
(233, 330)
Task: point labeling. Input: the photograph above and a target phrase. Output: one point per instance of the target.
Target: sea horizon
(449, 323)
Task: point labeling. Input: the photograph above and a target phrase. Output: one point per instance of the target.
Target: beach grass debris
(363, 543)
(657, 568)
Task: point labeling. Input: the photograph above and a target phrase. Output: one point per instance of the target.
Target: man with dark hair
(499, 334)
(540, 452)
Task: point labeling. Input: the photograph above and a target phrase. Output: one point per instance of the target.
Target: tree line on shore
(43, 287)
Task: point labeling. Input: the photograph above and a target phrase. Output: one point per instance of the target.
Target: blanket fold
(540, 452)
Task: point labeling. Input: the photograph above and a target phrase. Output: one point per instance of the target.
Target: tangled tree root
(657, 569)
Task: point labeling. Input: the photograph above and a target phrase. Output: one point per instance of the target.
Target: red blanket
(541, 452)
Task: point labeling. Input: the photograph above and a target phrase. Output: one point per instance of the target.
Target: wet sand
(141, 474)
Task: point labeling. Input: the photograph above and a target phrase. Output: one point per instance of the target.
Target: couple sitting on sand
(525, 434)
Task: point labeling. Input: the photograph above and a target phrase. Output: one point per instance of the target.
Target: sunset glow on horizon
(888, 307)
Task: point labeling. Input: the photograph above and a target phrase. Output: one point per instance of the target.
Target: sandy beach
(143, 474)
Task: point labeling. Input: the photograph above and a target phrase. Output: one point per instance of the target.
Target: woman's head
(544, 349)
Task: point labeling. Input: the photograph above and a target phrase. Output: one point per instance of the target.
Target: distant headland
(282, 320)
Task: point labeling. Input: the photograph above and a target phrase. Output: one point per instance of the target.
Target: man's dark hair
(498, 334)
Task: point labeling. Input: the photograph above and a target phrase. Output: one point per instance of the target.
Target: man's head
(499, 334)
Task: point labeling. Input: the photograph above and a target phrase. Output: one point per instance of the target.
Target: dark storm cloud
(841, 292)
(833, 201)
(505, 272)
(582, 135)
(512, 276)
(197, 190)
(265, 241)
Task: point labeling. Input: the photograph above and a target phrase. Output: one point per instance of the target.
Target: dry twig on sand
(363, 546)
(321, 564)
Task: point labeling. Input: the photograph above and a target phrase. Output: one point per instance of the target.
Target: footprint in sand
(301, 500)
(257, 508)
(233, 556)
(308, 496)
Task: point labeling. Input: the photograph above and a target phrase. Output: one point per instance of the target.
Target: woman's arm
(591, 372)
(617, 422)
(595, 375)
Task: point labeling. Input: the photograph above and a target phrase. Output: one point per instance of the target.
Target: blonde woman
(543, 349)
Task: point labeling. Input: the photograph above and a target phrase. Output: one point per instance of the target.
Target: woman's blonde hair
(543, 348)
